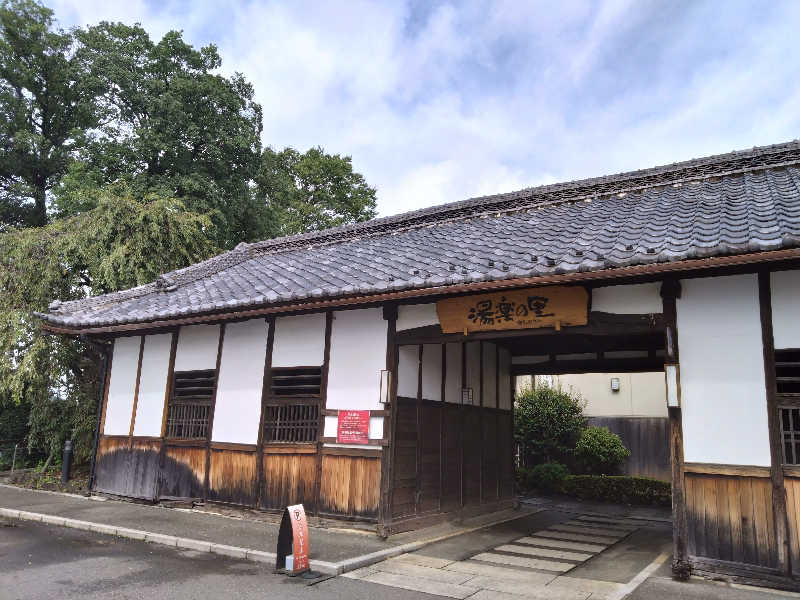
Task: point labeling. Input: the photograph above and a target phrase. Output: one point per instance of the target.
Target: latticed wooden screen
(190, 404)
(291, 423)
(787, 379)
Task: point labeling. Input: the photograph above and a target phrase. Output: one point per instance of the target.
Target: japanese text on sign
(515, 309)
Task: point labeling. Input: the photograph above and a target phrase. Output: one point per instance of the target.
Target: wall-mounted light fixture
(466, 396)
(615, 384)
(386, 384)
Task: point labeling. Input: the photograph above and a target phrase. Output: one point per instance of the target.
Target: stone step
(544, 552)
(519, 561)
(550, 543)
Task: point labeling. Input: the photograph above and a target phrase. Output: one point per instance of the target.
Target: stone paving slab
(608, 526)
(520, 575)
(551, 543)
(504, 591)
(575, 537)
(411, 570)
(544, 552)
(529, 563)
(427, 586)
(605, 533)
(422, 561)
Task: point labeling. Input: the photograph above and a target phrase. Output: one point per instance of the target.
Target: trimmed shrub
(548, 477)
(619, 489)
(547, 423)
(600, 452)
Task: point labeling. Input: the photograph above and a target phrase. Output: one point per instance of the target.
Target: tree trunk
(39, 217)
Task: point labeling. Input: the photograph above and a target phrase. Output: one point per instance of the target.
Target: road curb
(260, 556)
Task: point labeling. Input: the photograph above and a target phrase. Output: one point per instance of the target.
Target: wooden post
(387, 452)
(418, 485)
(266, 391)
(136, 392)
(670, 292)
(323, 401)
(773, 420)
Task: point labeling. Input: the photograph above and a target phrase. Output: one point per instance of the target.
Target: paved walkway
(538, 565)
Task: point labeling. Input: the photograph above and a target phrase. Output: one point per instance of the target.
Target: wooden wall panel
(490, 467)
(793, 514)
(405, 459)
(126, 470)
(731, 519)
(289, 479)
(430, 456)
(183, 472)
(350, 486)
(451, 463)
(233, 476)
(472, 435)
(648, 440)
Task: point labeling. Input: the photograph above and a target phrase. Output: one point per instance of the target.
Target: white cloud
(489, 97)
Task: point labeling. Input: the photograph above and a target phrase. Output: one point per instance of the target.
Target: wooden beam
(670, 292)
(609, 365)
(389, 432)
(211, 412)
(773, 420)
(729, 470)
(323, 404)
(266, 386)
(136, 391)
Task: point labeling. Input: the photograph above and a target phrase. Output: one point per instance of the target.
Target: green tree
(46, 106)
(547, 423)
(121, 243)
(600, 451)
(172, 127)
(312, 191)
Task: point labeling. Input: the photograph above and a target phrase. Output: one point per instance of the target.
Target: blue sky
(441, 101)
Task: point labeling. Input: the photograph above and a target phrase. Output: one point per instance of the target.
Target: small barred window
(189, 409)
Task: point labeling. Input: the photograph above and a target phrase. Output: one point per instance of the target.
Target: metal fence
(15, 455)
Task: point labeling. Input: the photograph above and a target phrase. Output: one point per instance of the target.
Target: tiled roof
(726, 204)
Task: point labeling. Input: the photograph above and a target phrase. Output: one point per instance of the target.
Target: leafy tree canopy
(121, 243)
(312, 191)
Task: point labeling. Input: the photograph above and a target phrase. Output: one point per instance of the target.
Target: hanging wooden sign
(530, 308)
(292, 551)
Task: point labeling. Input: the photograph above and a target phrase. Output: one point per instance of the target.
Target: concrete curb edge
(328, 568)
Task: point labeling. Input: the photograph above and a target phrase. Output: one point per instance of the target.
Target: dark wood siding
(648, 440)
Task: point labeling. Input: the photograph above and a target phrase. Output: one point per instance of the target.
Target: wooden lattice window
(296, 381)
(787, 380)
(190, 404)
(291, 423)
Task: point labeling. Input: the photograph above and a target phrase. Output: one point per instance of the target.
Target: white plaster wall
(723, 393)
(473, 351)
(121, 387)
(410, 316)
(786, 308)
(197, 348)
(299, 341)
(490, 375)
(640, 298)
(432, 372)
(639, 395)
(153, 385)
(408, 371)
(241, 377)
(358, 355)
(504, 373)
(452, 386)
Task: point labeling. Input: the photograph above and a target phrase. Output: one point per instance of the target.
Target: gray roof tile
(733, 203)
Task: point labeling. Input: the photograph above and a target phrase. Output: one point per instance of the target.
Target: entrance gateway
(226, 379)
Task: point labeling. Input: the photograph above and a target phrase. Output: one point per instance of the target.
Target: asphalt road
(40, 562)
(43, 562)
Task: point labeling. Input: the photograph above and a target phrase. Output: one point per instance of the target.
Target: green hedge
(618, 489)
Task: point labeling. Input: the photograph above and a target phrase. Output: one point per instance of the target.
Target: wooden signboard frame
(528, 308)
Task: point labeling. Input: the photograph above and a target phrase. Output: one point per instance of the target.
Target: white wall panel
(504, 373)
(452, 388)
(241, 376)
(121, 387)
(153, 385)
(299, 341)
(722, 372)
(358, 354)
(490, 375)
(640, 298)
(432, 372)
(408, 371)
(375, 428)
(786, 308)
(410, 316)
(197, 348)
